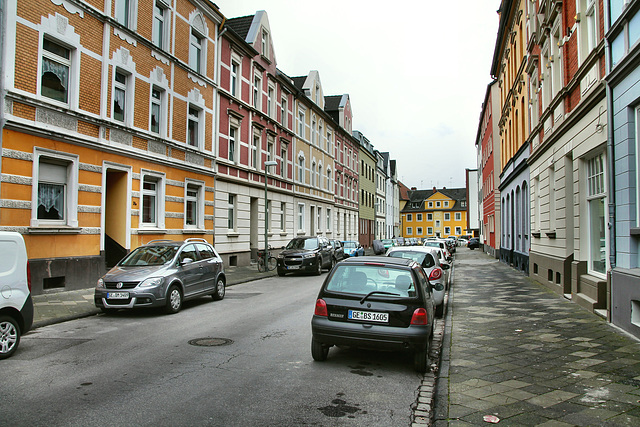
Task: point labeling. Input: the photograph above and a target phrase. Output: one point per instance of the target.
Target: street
(139, 368)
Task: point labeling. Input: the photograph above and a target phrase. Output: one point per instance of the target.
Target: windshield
(349, 245)
(303, 244)
(150, 255)
(364, 279)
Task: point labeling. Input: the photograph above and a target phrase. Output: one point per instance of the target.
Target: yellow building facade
(435, 213)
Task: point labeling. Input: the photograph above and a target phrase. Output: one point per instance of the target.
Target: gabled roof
(299, 81)
(241, 25)
(417, 199)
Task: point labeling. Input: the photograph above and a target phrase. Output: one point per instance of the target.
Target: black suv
(306, 254)
(381, 303)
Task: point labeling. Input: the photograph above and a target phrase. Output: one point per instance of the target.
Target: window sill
(634, 231)
(233, 234)
(54, 230)
(193, 231)
(551, 234)
(535, 234)
(283, 234)
(152, 231)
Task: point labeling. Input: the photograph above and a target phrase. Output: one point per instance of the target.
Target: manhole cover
(210, 342)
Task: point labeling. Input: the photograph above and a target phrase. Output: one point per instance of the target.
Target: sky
(416, 72)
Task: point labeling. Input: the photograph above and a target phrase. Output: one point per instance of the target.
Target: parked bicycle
(270, 264)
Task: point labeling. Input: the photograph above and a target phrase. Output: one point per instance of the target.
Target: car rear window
(349, 245)
(364, 279)
(422, 258)
(150, 255)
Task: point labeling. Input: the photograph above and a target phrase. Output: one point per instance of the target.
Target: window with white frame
(429, 231)
(458, 216)
(429, 217)
(157, 110)
(194, 205)
(196, 51)
(320, 177)
(437, 223)
(231, 212)
(126, 12)
(233, 144)
(257, 89)
(152, 209)
(300, 217)
(329, 141)
(446, 203)
(56, 71)
(120, 112)
(195, 127)
(301, 124)
(56, 195)
(255, 151)
(447, 230)
(587, 28)
(458, 231)
(409, 231)
(329, 186)
(265, 44)
(319, 219)
(328, 219)
(314, 131)
(283, 111)
(419, 217)
(283, 211)
(418, 231)
(447, 216)
(159, 24)
(270, 101)
(409, 217)
(301, 170)
(283, 160)
(268, 218)
(437, 204)
(596, 199)
(430, 204)
(235, 78)
(320, 134)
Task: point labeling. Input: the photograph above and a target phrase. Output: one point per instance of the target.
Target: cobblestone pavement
(515, 353)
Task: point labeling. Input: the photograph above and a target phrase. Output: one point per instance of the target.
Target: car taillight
(29, 276)
(435, 274)
(321, 308)
(419, 317)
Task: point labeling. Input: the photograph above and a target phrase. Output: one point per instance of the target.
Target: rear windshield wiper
(376, 292)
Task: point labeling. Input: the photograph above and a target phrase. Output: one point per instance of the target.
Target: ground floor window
(596, 195)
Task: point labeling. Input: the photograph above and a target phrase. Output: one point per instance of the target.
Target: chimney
(434, 189)
(413, 188)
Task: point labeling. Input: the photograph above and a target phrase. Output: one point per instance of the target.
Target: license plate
(369, 316)
(293, 267)
(118, 295)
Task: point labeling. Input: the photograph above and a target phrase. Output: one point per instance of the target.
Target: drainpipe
(3, 38)
(611, 180)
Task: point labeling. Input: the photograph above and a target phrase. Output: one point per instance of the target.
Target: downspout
(3, 38)
(611, 168)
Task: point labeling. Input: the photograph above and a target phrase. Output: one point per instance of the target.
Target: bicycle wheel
(261, 266)
(273, 263)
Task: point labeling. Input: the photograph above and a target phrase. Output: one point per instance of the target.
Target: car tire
(319, 268)
(9, 336)
(106, 310)
(319, 351)
(421, 361)
(174, 300)
(440, 310)
(281, 272)
(218, 293)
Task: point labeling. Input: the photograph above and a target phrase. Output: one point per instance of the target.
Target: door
(191, 273)
(115, 216)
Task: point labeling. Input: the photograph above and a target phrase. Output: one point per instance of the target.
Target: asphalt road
(139, 368)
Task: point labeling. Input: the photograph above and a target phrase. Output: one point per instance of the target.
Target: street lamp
(266, 209)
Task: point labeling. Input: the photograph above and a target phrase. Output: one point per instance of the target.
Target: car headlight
(100, 283)
(150, 282)
(308, 255)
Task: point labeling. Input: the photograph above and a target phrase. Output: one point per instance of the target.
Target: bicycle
(271, 262)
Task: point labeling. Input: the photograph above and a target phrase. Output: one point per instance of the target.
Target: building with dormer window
(435, 213)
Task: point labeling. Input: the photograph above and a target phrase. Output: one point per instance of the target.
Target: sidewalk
(515, 353)
(55, 307)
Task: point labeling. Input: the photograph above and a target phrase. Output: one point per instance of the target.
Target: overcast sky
(416, 72)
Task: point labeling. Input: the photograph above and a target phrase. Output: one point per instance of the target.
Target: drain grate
(210, 342)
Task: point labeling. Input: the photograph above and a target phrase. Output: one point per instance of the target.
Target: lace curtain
(50, 201)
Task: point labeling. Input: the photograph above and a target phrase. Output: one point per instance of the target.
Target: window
(328, 219)
(235, 69)
(447, 231)
(268, 217)
(329, 141)
(265, 44)
(125, 12)
(283, 112)
(270, 102)
(152, 209)
(447, 216)
(437, 204)
(409, 217)
(232, 144)
(319, 219)
(446, 203)
(196, 51)
(458, 231)
(231, 212)
(56, 63)
(283, 211)
(156, 110)
(596, 194)
(194, 206)
(283, 161)
(314, 131)
(254, 151)
(159, 23)
(300, 217)
(437, 223)
(256, 91)
(458, 216)
(419, 217)
(409, 231)
(301, 170)
(52, 191)
(429, 231)
(193, 127)
(301, 124)
(429, 217)
(119, 96)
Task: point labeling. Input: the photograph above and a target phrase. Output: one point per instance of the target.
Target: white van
(16, 305)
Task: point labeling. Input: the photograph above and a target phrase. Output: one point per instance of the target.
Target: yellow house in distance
(435, 213)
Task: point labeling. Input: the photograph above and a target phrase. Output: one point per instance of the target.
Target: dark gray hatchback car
(379, 303)
(162, 273)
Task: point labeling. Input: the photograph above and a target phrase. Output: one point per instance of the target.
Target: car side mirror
(445, 266)
(186, 261)
(437, 287)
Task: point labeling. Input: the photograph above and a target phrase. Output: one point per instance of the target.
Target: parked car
(380, 303)
(306, 254)
(338, 250)
(16, 305)
(429, 260)
(440, 244)
(387, 243)
(473, 243)
(352, 248)
(162, 273)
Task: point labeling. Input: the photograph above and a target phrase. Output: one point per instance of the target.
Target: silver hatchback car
(162, 273)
